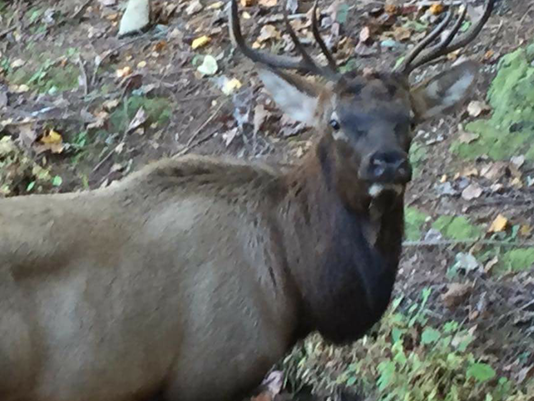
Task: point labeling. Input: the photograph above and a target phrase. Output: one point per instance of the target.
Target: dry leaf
(200, 42)
(499, 224)
(267, 3)
(365, 34)
(476, 108)
(472, 191)
(247, 3)
(124, 72)
(215, 6)
(139, 119)
(525, 230)
(456, 294)
(436, 8)
(260, 116)
(52, 141)
(53, 137)
(268, 32)
(402, 33)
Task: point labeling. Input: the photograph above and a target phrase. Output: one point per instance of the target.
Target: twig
(82, 8)
(440, 243)
(81, 64)
(190, 145)
(7, 31)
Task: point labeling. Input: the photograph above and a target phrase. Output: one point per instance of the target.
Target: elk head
(368, 118)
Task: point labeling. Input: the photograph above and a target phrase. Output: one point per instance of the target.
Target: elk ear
(444, 91)
(295, 96)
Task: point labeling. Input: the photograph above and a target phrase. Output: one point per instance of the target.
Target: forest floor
(80, 108)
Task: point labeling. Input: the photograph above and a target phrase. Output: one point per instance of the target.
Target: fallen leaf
(247, 3)
(209, 66)
(52, 141)
(436, 8)
(401, 33)
(215, 6)
(468, 137)
(200, 42)
(518, 161)
(194, 7)
(477, 108)
(53, 137)
(138, 120)
(267, 3)
(456, 294)
(525, 230)
(472, 191)
(230, 86)
(499, 224)
(17, 63)
(260, 116)
(124, 72)
(365, 34)
(268, 32)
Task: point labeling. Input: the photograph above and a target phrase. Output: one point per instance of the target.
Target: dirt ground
(63, 71)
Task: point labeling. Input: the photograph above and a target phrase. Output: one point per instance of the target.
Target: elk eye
(335, 124)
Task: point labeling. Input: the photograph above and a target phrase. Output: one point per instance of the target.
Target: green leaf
(57, 181)
(30, 186)
(481, 372)
(430, 336)
(351, 381)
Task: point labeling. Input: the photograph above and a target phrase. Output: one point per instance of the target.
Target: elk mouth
(376, 189)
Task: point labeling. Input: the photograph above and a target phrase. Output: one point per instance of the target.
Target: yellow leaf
(52, 138)
(215, 6)
(525, 230)
(436, 8)
(499, 224)
(230, 86)
(201, 41)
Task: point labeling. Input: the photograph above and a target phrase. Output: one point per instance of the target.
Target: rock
(135, 18)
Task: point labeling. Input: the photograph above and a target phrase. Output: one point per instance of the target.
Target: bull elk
(187, 280)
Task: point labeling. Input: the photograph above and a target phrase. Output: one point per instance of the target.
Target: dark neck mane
(345, 282)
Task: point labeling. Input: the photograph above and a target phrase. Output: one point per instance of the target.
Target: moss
(414, 219)
(517, 259)
(157, 109)
(418, 155)
(457, 228)
(510, 130)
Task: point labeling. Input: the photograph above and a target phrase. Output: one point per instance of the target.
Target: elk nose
(390, 166)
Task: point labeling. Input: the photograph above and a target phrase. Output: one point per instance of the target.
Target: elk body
(190, 278)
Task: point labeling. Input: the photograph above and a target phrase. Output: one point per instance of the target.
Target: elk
(190, 278)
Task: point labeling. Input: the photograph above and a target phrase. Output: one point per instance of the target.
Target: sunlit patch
(377, 189)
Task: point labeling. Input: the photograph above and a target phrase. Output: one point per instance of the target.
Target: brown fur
(190, 279)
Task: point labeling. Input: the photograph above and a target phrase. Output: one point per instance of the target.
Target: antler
(420, 54)
(305, 64)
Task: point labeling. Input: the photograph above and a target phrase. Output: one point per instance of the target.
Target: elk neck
(344, 280)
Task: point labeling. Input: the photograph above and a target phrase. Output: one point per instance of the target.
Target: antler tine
(451, 43)
(306, 58)
(405, 66)
(317, 35)
(254, 55)
(306, 64)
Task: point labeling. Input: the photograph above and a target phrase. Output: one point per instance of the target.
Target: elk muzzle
(386, 167)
